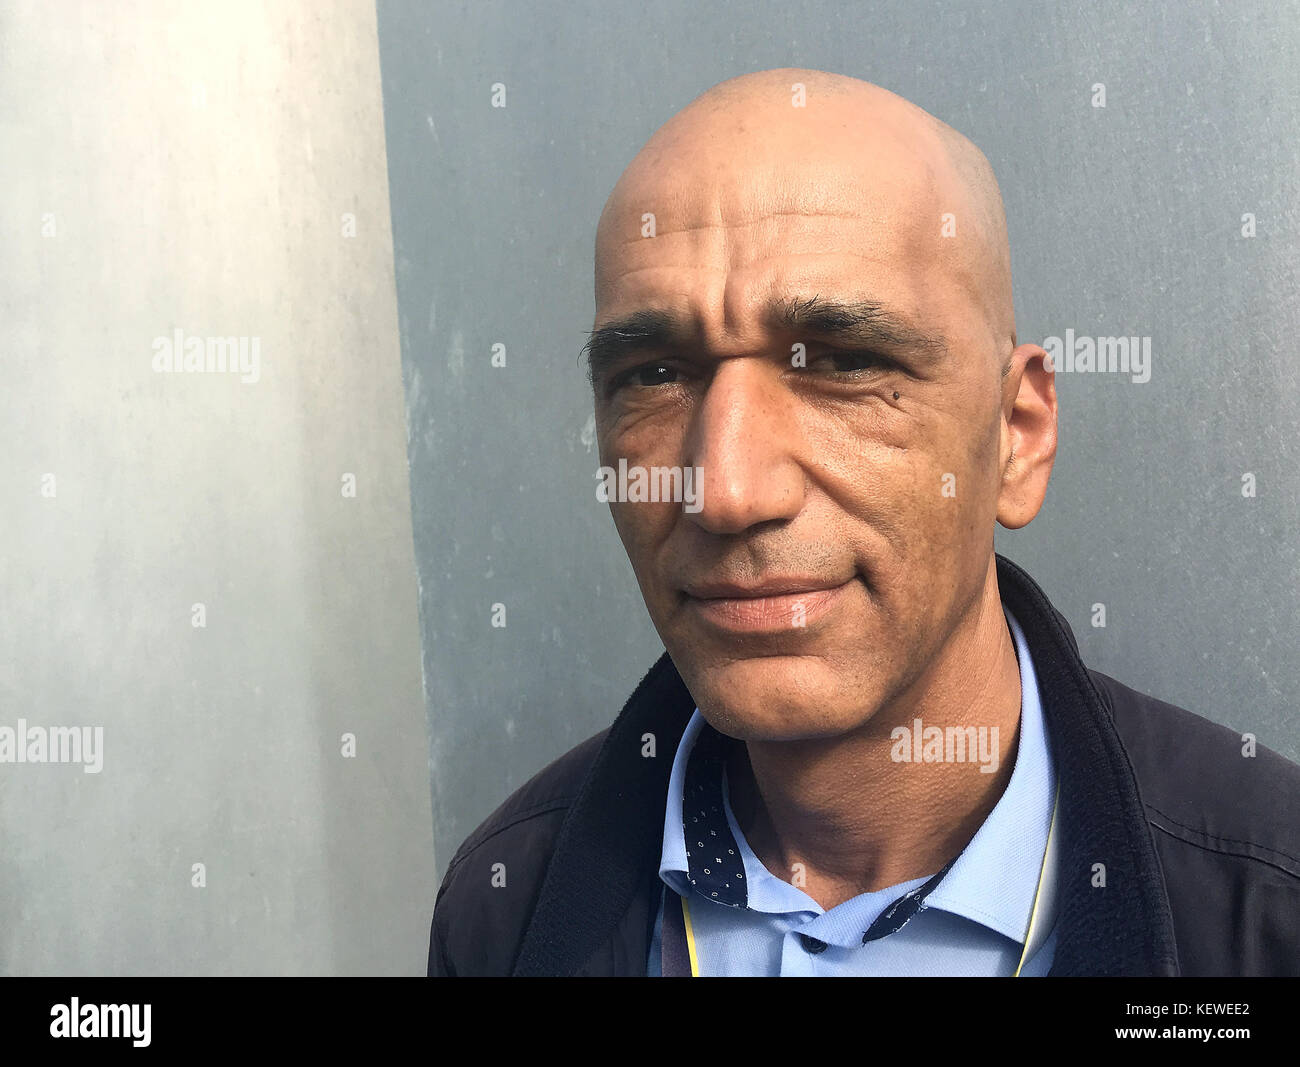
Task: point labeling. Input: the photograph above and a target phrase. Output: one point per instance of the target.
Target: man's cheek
(642, 526)
(630, 531)
(935, 514)
(957, 522)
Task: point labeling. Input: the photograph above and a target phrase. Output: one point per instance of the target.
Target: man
(871, 747)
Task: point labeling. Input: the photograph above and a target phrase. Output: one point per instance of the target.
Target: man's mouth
(772, 606)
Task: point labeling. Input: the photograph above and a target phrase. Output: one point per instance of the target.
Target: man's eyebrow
(857, 322)
(640, 330)
(850, 322)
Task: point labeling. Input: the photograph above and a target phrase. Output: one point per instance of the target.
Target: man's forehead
(803, 225)
(727, 175)
(858, 178)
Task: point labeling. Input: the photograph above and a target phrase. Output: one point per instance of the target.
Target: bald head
(806, 142)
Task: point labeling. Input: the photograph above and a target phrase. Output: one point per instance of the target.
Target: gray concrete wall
(190, 167)
(1125, 219)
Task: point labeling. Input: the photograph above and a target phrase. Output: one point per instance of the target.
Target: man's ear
(1028, 435)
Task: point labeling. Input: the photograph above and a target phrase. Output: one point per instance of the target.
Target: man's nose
(744, 438)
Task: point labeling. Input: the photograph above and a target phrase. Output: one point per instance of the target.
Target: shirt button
(811, 944)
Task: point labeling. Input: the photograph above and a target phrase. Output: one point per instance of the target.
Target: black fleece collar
(1112, 916)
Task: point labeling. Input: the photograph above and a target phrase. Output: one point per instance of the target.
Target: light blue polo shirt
(973, 922)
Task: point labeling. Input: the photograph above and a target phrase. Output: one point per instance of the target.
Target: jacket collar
(599, 895)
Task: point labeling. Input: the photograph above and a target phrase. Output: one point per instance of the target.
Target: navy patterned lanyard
(716, 872)
(678, 957)
(715, 869)
(678, 939)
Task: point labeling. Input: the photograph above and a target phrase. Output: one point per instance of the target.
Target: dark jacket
(1201, 844)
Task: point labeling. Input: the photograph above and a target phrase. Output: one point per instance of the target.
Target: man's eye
(848, 362)
(647, 376)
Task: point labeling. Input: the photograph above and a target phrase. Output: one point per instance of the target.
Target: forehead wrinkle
(881, 213)
(756, 220)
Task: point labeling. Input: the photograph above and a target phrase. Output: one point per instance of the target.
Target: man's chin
(778, 698)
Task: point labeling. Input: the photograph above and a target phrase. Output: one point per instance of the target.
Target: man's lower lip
(767, 614)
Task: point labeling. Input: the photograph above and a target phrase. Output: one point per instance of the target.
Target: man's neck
(842, 816)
